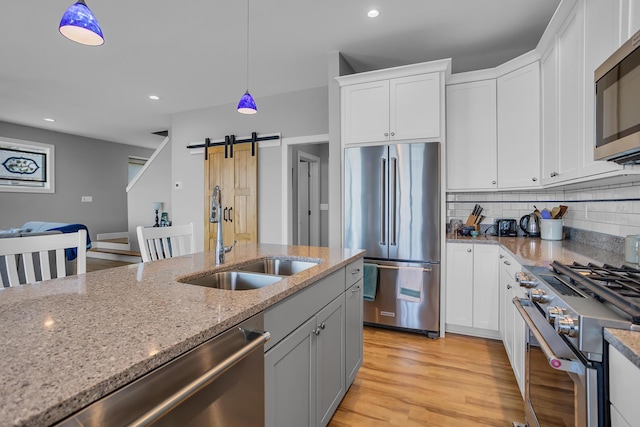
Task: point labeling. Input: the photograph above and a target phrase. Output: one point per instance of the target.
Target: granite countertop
(538, 252)
(68, 342)
(626, 342)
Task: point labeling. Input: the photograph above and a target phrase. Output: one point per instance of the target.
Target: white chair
(19, 253)
(158, 243)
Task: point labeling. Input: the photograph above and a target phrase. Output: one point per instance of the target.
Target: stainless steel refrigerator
(392, 210)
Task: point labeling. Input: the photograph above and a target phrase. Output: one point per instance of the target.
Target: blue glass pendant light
(79, 24)
(247, 105)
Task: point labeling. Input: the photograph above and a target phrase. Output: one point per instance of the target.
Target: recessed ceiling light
(154, 97)
(373, 13)
(46, 119)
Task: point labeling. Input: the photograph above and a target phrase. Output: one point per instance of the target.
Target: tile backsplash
(613, 209)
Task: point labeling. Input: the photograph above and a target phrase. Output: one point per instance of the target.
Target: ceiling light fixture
(247, 105)
(373, 13)
(79, 25)
(154, 97)
(46, 119)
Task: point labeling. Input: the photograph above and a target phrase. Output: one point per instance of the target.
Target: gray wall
(292, 114)
(83, 167)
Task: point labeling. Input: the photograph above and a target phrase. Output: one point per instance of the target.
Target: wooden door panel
(238, 181)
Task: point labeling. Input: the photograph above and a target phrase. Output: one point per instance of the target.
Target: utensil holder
(551, 229)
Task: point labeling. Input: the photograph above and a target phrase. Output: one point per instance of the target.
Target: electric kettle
(530, 225)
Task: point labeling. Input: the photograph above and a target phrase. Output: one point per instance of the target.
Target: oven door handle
(554, 361)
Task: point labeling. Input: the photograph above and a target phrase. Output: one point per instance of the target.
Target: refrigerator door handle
(383, 197)
(392, 187)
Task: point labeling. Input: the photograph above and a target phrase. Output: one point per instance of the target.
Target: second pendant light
(247, 105)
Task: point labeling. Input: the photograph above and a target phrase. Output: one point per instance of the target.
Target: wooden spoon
(554, 212)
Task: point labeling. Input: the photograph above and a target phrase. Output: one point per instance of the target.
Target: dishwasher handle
(185, 392)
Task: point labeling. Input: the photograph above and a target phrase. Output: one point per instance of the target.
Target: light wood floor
(410, 380)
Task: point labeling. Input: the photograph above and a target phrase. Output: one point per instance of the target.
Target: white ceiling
(192, 53)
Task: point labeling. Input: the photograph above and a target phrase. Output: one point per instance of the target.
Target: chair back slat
(18, 253)
(158, 243)
(29, 271)
(44, 265)
(12, 269)
(61, 270)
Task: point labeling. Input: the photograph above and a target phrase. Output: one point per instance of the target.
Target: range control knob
(553, 312)
(567, 325)
(538, 295)
(525, 281)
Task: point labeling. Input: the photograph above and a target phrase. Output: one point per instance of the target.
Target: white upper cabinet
(549, 81)
(402, 103)
(519, 128)
(570, 96)
(414, 108)
(472, 162)
(365, 112)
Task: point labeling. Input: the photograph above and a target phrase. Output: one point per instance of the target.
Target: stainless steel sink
(280, 267)
(234, 280)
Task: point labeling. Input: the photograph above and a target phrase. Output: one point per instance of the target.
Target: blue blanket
(72, 253)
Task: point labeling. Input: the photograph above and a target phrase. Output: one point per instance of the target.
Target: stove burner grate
(619, 286)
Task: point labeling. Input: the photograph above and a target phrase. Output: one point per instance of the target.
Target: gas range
(580, 300)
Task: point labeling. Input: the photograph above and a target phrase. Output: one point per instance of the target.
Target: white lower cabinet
(512, 326)
(311, 361)
(472, 293)
(624, 388)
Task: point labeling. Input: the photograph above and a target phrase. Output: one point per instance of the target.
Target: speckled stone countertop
(626, 342)
(534, 251)
(68, 342)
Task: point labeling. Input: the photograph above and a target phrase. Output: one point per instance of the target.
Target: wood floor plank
(409, 380)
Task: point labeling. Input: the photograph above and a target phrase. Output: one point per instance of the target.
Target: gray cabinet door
(353, 331)
(290, 379)
(330, 351)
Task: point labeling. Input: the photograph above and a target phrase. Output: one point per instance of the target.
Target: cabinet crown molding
(493, 73)
(442, 65)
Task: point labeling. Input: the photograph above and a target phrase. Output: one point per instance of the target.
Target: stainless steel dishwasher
(219, 383)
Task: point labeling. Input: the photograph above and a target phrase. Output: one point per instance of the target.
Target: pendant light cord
(247, 62)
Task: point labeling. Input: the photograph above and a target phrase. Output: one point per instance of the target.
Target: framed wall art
(26, 166)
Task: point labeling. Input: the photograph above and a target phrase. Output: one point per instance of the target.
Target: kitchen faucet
(216, 208)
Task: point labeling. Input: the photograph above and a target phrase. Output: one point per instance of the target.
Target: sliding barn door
(237, 177)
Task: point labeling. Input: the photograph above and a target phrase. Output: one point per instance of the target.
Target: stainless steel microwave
(617, 92)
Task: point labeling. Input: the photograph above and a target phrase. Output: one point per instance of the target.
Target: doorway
(310, 154)
(308, 199)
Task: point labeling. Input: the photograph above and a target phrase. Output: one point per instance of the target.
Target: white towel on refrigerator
(409, 283)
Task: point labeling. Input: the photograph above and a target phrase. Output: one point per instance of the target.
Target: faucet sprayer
(216, 208)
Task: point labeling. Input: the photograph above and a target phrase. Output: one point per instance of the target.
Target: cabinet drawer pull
(508, 286)
(506, 262)
(356, 289)
(356, 271)
(322, 325)
(317, 331)
(468, 250)
(501, 256)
